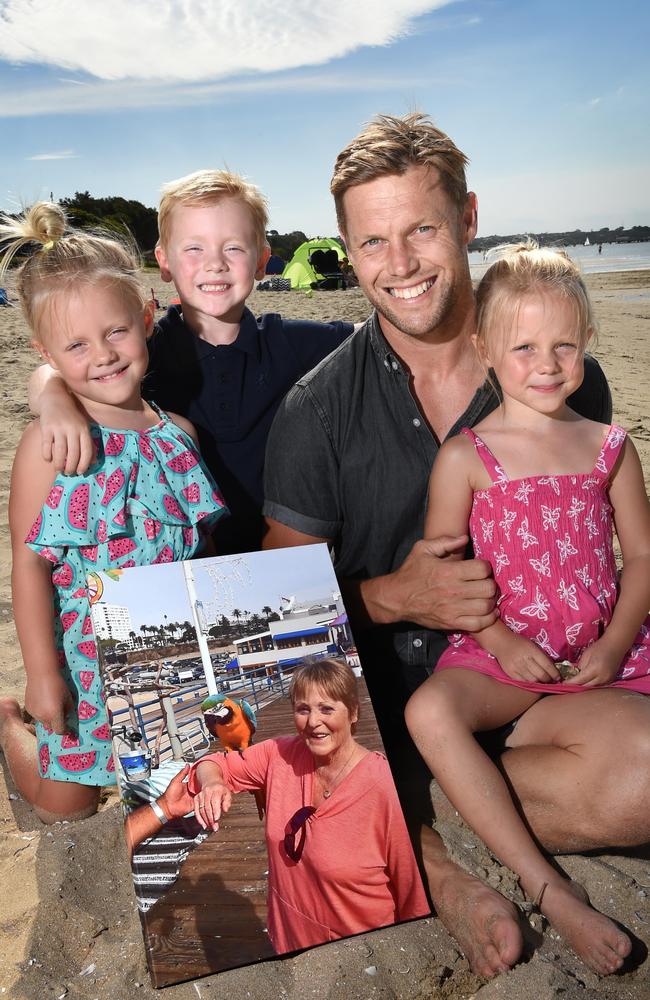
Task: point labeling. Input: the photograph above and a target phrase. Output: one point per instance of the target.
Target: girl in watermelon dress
(146, 499)
(538, 489)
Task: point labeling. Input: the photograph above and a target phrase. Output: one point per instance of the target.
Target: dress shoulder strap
(609, 452)
(495, 471)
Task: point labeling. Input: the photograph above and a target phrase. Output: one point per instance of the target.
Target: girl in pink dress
(539, 489)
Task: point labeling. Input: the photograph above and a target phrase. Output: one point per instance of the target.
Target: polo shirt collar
(248, 339)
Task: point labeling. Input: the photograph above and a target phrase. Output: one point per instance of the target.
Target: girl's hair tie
(48, 246)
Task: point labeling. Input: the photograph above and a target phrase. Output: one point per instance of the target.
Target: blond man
(365, 428)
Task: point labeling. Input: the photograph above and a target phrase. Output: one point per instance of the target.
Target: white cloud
(118, 95)
(191, 40)
(66, 154)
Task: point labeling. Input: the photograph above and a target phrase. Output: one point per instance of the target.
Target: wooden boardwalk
(214, 916)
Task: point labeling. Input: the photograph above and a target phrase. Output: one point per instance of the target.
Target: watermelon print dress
(146, 499)
(549, 542)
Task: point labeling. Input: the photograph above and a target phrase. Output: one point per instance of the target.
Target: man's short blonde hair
(390, 145)
(206, 187)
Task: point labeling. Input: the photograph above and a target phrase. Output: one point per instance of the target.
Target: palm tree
(266, 610)
(236, 613)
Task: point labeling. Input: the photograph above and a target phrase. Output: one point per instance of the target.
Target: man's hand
(176, 800)
(598, 664)
(433, 590)
(523, 660)
(49, 701)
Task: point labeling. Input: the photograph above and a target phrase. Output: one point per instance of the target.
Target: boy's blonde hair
(206, 187)
(524, 269)
(60, 258)
(390, 145)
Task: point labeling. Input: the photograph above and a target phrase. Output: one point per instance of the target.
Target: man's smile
(413, 291)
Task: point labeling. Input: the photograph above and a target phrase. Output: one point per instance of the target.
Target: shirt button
(416, 422)
(394, 366)
(417, 643)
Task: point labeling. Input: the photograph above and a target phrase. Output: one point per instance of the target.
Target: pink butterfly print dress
(549, 542)
(140, 503)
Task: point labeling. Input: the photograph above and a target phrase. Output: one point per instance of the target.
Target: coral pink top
(357, 870)
(549, 542)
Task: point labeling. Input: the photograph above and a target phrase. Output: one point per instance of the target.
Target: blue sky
(549, 99)
(248, 582)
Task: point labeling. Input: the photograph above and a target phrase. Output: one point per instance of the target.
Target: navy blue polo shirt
(231, 394)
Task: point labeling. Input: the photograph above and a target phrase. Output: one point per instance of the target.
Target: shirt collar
(382, 349)
(484, 398)
(248, 338)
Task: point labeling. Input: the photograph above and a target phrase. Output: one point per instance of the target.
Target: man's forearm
(370, 602)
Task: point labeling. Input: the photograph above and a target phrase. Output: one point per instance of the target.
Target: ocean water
(615, 257)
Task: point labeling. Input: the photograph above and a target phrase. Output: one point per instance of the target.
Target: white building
(111, 621)
(302, 631)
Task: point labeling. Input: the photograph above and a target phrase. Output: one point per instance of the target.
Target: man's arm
(427, 588)
(302, 507)
(65, 435)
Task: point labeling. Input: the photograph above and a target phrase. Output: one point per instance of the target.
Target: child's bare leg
(52, 800)
(442, 716)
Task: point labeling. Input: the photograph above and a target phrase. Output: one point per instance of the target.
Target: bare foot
(592, 936)
(483, 923)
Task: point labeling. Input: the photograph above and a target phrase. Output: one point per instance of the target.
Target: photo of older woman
(340, 859)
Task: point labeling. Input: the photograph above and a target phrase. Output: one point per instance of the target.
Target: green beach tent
(315, 262)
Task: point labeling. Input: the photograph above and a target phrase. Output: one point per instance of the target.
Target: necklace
(328, 791)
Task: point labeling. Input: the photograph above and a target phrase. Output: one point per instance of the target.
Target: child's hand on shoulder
(523, 660)
(599, 664)
(49, 701)
(65, 436)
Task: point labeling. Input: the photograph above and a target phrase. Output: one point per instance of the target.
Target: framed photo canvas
(198, 661)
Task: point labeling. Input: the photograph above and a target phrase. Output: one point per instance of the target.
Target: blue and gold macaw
(233, 723)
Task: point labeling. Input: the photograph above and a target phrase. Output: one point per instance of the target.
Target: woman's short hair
(57, 258)
(208, 187)
(331, 675)
(390, 145)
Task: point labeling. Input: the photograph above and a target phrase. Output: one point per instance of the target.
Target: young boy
(211, 360)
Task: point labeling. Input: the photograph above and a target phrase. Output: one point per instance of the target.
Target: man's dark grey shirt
(349, 457)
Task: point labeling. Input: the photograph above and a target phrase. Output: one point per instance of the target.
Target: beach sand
(68, 922)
